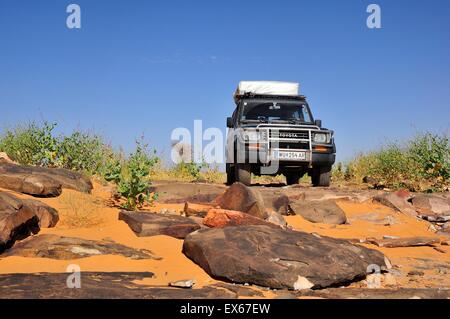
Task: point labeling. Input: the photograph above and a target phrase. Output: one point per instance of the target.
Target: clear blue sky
(150, 66)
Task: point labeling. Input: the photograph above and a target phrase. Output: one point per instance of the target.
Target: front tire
(321, 176)
(231, 176)
(292, 178)
(243, 173)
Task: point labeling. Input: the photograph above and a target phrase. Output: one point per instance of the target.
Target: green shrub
(420, 164)
(31, 144)
(132, 176)
(83, 152)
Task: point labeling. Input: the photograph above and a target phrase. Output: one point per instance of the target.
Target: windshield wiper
(254, 121)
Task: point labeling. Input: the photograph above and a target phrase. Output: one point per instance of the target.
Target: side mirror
(229, 122)
(318, 123)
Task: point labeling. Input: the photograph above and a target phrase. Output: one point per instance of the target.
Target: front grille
(291, 145)
(289, 134)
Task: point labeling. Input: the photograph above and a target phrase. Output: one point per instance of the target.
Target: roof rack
(239, 97)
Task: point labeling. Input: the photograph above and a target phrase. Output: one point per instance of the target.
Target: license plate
(288, 155)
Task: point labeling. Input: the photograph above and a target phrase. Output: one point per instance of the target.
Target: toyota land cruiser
(272, 131)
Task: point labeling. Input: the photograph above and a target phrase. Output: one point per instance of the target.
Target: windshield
(282, 111)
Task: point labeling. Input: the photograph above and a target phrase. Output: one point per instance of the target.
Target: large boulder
(224, 218)
(432, 207)
(152, 224)
(397, 201)
(41, 181)
(326, 212)
(244, 199)
(277, 258)
(58, 247)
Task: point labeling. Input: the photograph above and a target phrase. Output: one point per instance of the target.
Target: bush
(420, 164)
(132, 176)
(34, 144)
(31, 144)
(84, 152)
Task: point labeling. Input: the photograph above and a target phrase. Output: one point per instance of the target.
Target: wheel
(231, 176)
(292, 178)
(243, 173)
(321, 176)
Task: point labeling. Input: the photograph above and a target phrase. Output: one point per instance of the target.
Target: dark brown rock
(404, 242)
(380, 293)
(244, 199)
(198, 210)
(224, 218)
(57, 247)
(16, 222)
(47, 216)
(41, 181)
(396, 202)
(151, 224)
(327, 212)
(197, 193)
(433, 208)
(99, 285)
(277, 258)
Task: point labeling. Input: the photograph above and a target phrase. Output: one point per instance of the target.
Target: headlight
(251, 136)
(321, 138)
(254, 136)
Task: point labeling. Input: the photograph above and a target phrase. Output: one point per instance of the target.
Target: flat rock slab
(396, 202)
(48, 216)
(404, 242)
(432, 207)
(366, 293)
(63, 248)
(279, 259)
(225, 218)
(151, 224)
(177, 193)
(326, 212)
(98, 285)
(41, 181)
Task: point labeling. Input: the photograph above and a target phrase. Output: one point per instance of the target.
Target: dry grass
(79, 210)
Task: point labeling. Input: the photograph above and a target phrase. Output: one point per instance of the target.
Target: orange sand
(175, 266)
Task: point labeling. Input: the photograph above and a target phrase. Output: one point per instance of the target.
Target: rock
(372, 181)
(276, 201)
(432, 208)
(224, 218)
(277, 258)
(64, 248)
(99, 285)
(41, 181)
(445, 242)
(327, 212)
(277, 219)
(182, 283)
(241, 198)
(17, 221)
(199, 210)
(415, 273)
(150, 224)
(404, 242)
(167, 211)
(178, 193)
(379, 293)
(47, 216)
(396, 202)
(4, 158)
